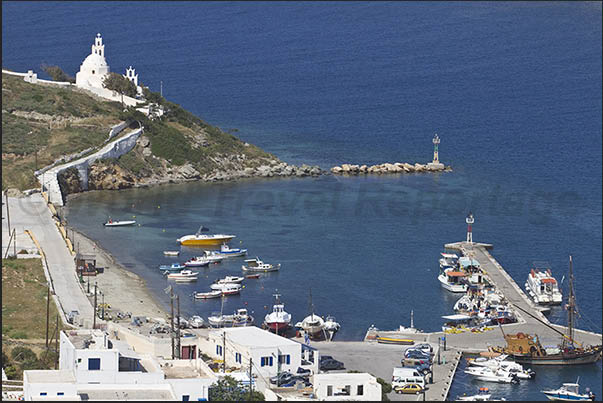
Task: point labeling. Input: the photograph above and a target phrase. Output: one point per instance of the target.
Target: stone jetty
(389, 168)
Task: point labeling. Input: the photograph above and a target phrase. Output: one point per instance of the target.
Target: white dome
(94, 60)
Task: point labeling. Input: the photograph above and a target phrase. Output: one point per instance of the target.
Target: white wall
(32, 391)
(338, 381)
(196, 388)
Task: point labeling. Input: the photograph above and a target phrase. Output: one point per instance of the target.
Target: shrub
(56, 73)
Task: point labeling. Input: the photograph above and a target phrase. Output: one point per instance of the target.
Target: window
(60, 393)
(93, 364)
(270, 361)
(284, 359)
(237, 357)
(360, 390)
(219, 350)
(330, 390)
(43, 393)
(185, 398)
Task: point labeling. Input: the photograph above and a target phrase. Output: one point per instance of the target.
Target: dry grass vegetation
(49, 121)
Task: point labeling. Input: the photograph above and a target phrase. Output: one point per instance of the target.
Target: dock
(376, 355)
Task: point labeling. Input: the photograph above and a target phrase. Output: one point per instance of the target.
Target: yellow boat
(394, 340)
(200, 239)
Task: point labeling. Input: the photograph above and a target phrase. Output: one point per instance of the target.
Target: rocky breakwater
(274, 168)
(389, 168)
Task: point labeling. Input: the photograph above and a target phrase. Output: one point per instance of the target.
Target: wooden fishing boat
(394, 340)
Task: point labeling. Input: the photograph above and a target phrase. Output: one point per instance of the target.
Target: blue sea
(513, 90)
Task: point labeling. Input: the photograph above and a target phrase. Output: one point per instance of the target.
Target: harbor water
(512, 89)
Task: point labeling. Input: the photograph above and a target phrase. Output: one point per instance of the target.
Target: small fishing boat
(500, 362)
(542, 286)
(482, 395)
(452, 280)
(183, 275)
(257, 275)
(227, 288)
(569, 392)
(256, 265)
(196, 322)
(213, 256)
(112, 223)
(171, 252)
(172, 268)
(197, 261)
(230, 280)
(331, 325)
(448, 260)
(240, 318)
(208, 295)
(395, 340)
(227, 251)
(278, 320)
(199, 239)
(492, 375)
(313, 325)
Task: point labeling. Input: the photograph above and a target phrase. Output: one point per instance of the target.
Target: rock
(336, 170)
(345, 168)
(146, 152)
(419, 167)
(188, 172)
(363, 168)
(315, 171)
(144, 141)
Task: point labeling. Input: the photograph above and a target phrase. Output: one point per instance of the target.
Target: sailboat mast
(571, 303)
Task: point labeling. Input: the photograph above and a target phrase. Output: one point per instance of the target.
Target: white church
(94, 69)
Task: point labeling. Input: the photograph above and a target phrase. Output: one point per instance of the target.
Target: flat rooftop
(49, 376)
(255, 337)
(141, 394)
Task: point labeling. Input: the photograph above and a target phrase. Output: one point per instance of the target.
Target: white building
(270, 353)
(94, 68)
(94, 367)
(346, 386)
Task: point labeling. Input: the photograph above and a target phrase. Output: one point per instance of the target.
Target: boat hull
(194, 241)
(278, 327)
(392, 340)
(566, 397)
(119, 223)
(559, 359)
(208, 295)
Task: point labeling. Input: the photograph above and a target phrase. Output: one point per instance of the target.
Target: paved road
(30, 213)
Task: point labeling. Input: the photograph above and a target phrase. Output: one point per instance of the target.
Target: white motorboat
(196, 322)
(213, 256)
(542, 286)
(256, 265)
(490, 375)
(199, 239)
(227, 251)
(482, 395)
(183, 275)
(452, 280)
(208, 295)
(227, 288)
(240, 318)
(230, 280)
(448, 260)
(171, 252)
(569, 392)
(197, 261)
(112, 223)
(500, 362)
(278, 320)
(331, 325)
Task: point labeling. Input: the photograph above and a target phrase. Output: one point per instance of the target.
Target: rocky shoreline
(389, 168)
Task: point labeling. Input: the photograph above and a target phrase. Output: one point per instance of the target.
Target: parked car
(420, 365)
(282, 378)
(424, 347)
(329, 364)
(303, 372)
(418, 354)
(326, 357)
(411, 388)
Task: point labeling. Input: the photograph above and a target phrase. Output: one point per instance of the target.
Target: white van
(404, 376)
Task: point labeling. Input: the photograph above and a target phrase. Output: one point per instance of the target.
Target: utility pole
(224, 351)
(15, 242)
(56, 345)
(172, 320)
(47, 313)
(178, 322)
(250, 378)
(94, 318)
(103, 305)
